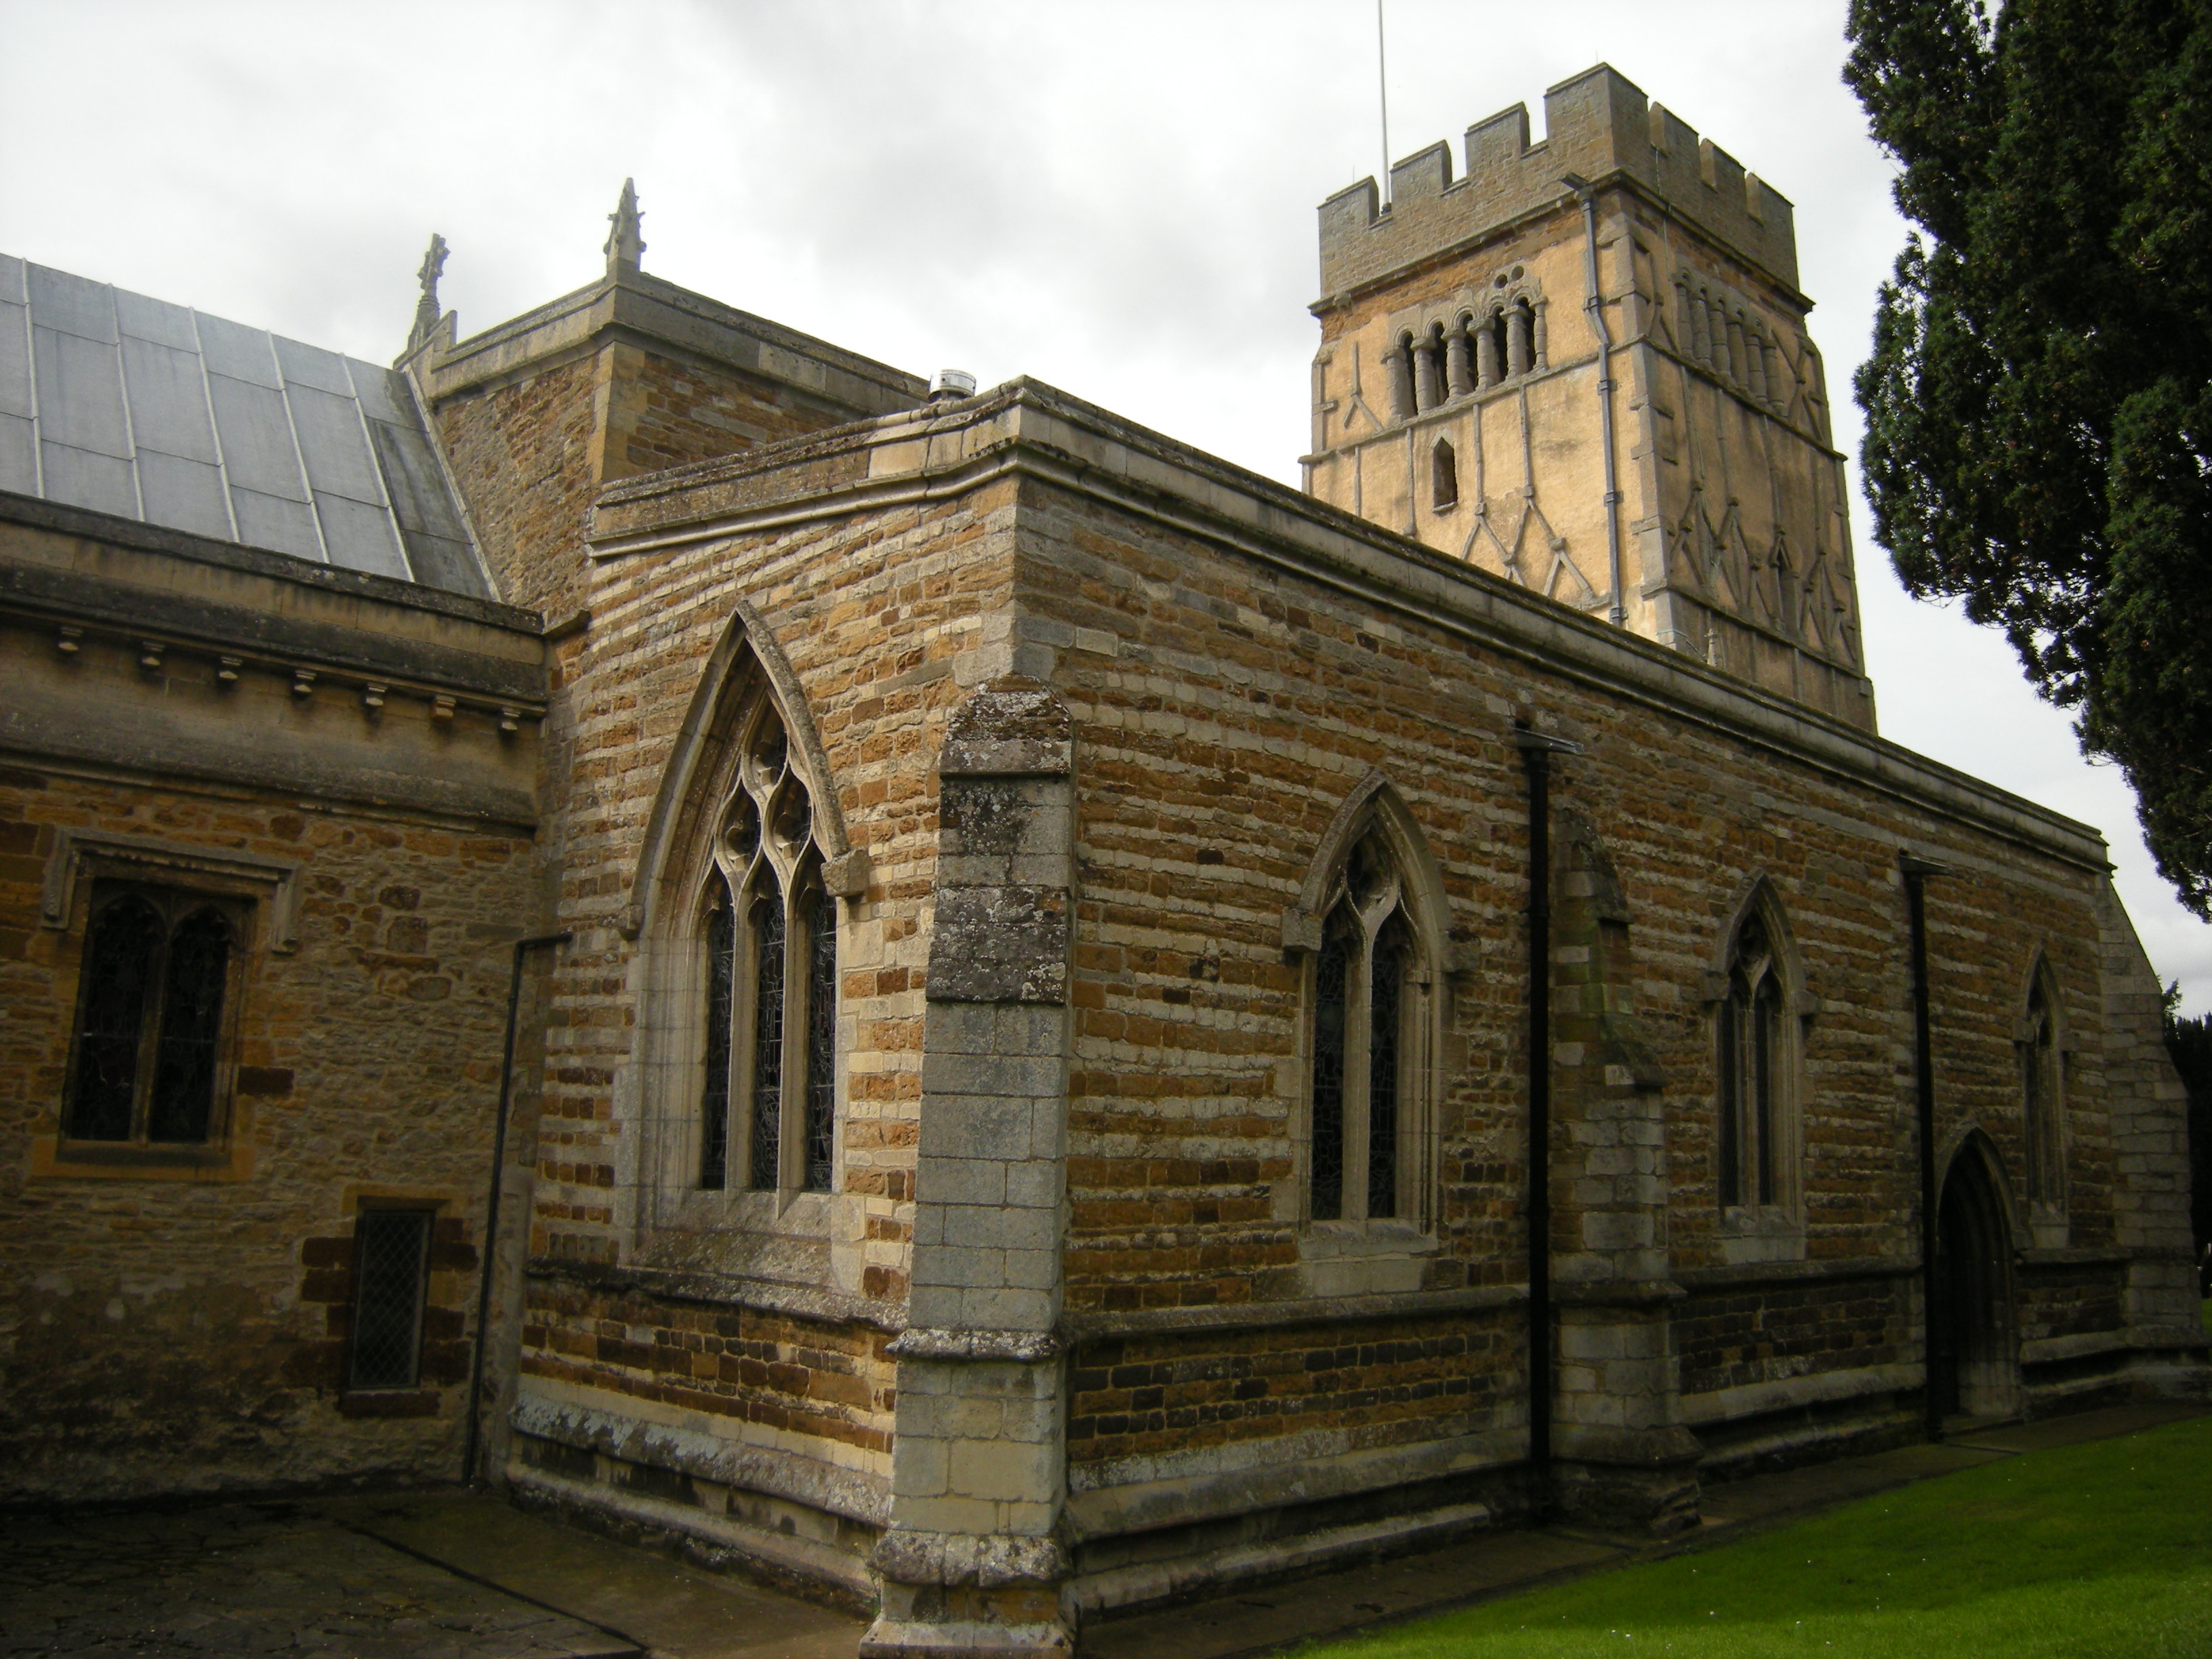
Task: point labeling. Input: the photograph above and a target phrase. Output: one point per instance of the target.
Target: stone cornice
(1027, 429)
(83, 523)
(648, 311)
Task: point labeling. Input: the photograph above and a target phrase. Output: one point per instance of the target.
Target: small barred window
(390, 1270)
(150, 1051)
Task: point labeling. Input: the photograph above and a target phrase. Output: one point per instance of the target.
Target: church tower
(1583, 365)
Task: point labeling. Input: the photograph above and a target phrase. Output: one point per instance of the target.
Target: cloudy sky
(1115, 196)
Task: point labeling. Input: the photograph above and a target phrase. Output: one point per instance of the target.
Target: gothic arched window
(767, 929)
(150, 1029)
(1363, 1066)
(1754, 1068)
(2041, 1111)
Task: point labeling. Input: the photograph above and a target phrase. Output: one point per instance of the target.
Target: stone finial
(625, 246)
(426, 308)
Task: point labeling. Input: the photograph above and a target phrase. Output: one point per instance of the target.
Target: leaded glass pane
(1384, 1030)
(119, 960)
(768, 931)
(1728, 1153)
(1766, 1055)
(183, 1103)
(1332, 974)
(721, 990)
(821, 1041)
(391, 1250)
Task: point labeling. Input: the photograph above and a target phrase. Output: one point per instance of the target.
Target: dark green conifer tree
(2039, 403)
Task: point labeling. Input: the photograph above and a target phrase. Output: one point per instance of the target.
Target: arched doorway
(1973, 1359)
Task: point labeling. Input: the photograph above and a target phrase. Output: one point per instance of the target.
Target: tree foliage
(2039, 403)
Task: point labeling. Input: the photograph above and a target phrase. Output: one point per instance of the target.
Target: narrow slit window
(1383, 1025)
(821, 1041)
(1444, 476)
(1330, 1022)
(124, 944)
(2039, 1057)
(392, 1253)
(768, 931)
(721, 1002)
(183, 1103)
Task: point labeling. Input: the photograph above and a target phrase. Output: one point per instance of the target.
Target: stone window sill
(1760, 1233)
(55, 1159)
(1363, 1258)
(388, 1402)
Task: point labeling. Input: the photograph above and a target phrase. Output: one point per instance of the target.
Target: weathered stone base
(1129, 1572)
(801, 1566)
(1815, 1432)
(951, 1621)
(1637, 1479)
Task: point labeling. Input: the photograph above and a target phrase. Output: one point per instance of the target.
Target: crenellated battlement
(1597, 124)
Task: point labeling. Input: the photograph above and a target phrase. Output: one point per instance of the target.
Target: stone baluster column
(1426, 391)
(1519, 347)
(972, 1561)
(1486, 353)
(1399, 363)
(1456, 377)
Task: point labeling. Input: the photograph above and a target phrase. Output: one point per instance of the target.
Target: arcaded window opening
(150, 1063)
(768, 935)
(1365, 1092)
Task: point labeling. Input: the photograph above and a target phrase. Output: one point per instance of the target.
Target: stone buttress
(973, 1561)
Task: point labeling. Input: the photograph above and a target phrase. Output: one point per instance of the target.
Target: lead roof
(153, 411)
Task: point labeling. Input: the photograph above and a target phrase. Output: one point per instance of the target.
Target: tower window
(1444, 476)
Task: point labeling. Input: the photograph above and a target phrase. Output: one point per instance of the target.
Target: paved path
(447, 1574)
(252, 1578)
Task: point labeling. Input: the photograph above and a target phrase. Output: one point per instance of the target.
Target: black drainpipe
(1536, 752)
(1917, 871)
(469, 1474)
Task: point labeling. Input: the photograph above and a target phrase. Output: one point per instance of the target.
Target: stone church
(934, 994)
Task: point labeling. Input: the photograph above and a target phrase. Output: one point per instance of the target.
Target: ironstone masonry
(1031, 1114)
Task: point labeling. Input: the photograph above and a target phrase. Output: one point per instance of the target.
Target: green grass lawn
(2096, 1552)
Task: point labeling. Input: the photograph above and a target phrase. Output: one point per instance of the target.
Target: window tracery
(1364, 1097)
(1756, 1042)
(768, 930)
